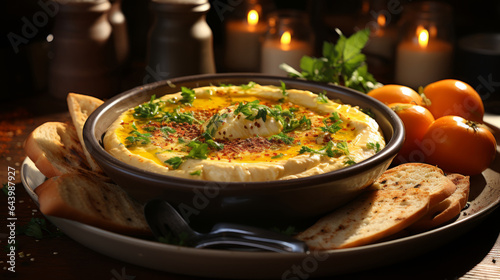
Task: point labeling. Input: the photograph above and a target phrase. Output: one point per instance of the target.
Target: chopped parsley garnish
(180, 117)
(138, 137)
(148, 110)
(188, 95)
(368, 112)
(175, 162)
(195, 173)
(280, 155)
(198, 150)
(213, 125)
(373, 146)
(335, 123)
(283, 88)
(322, 98)
(349, 161)
(216, 145)
(283, 137)
(248, 86)
(166, 130)
(294, 124)
(38, 228)
(330, 149)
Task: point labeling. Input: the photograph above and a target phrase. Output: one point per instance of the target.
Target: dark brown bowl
(280, 201)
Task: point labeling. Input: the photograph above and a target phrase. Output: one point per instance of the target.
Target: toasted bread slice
(417, 175)
(55, 149)
(80, 107)
(88, 200)
(370, 217)
(447, 209)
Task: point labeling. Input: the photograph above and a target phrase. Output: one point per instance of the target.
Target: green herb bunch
(342, 64)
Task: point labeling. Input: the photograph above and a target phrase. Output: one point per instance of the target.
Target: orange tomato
(416, 120)
(388, 94)
(453, 97)
(458, 145)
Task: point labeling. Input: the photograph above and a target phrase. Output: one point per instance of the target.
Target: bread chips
(76, 187)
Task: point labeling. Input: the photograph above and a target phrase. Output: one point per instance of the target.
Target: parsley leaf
(283, 88)
(198, 150)
(137, 137)
(37, 228)
(148, 110)
(175, 162)
(167, 130)
(188, 95)
(335, 123)
(373, 146)
(195, 173)
(213, 124)
(180, 117)
(328, 150)
(248, 86)
(322, 98)
(283, 137)
(294, 124)
(280, 155)
(341, 64)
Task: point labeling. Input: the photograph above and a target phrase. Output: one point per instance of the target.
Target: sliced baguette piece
(55, 149)
(80, 107)
(447, 209)
(417, 175)
(85, 199)
(370, 217)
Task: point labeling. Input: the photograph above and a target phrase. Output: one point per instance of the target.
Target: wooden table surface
(473, 255)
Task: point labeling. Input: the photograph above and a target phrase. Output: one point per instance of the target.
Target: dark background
(23, 74)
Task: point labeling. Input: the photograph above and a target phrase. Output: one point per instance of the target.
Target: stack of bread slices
(76, 188)
(409, 197)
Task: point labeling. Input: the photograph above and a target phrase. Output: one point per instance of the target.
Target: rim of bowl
(100, 154)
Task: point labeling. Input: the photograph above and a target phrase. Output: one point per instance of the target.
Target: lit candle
(382, 41)
(423, 61)
(285, 50)
(243, 43)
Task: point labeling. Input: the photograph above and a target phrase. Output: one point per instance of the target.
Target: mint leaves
(342, 64)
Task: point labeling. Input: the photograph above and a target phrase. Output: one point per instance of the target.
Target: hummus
(243, 133)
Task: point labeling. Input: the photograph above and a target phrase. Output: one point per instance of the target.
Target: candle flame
(381, 20)
(286, 38)
(253, 17)
(423, 38)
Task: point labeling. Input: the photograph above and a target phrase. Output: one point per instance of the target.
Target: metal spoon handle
(254, 237)
(169, 217)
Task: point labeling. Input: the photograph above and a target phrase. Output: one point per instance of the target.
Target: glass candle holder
(424, 53)
(288, 39)
(244, 31)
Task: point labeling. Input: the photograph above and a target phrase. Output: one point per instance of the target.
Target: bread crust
(372, 216)
(82, 198)
(424, 176)
(80, 107)
(55, 149)
(447, 209)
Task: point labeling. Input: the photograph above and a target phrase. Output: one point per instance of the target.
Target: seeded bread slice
(370, 217)
(447, 209)
(80, 107)
(88, 200)
(417, 175)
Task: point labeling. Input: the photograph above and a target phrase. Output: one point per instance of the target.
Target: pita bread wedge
(80, 107)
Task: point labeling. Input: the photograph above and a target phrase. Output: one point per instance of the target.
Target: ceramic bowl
(276, 202)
